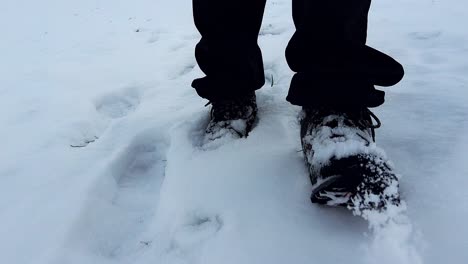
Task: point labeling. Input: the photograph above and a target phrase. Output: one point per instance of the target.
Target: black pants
(328, 52)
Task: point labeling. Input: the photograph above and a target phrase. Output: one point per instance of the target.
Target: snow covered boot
(345, 166)
(233, 118)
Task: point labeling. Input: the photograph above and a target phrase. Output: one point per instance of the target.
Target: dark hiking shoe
(345, 166)
(233, 118)
(378, 189)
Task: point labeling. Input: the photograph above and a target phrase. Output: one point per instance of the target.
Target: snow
(113, 77)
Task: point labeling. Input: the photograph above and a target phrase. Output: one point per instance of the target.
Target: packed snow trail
(114, 77)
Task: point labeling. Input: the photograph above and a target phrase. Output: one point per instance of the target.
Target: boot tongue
(233, 109)
(334, 116)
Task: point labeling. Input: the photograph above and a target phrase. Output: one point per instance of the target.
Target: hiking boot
(233, 118)
(345, 166)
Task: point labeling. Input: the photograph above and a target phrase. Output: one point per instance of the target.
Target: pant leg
(228, 52)
(328, 52)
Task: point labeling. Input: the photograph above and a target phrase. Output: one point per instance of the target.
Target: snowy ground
(112, 78)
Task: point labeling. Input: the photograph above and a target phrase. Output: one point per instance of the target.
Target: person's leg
(228, 52)
(332, 63)
(334, 83)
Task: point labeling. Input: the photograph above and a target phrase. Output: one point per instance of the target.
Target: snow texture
(112, 78)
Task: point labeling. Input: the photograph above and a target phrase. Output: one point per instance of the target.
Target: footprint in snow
(118, 104)
(198, 228)
(113, 105)
(191, 236)
(124, 200)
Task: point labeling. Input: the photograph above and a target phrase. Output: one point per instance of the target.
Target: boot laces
(373, 126)
(362, 118)
(239, 108)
